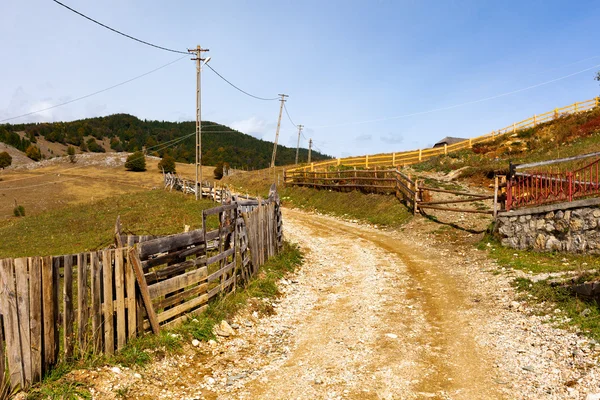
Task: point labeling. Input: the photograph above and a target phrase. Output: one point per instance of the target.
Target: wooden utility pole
(198, 52)
(283, 96)
(298, 145)
(309, 149)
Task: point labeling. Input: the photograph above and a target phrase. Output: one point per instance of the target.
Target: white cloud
(392, 139)
(252, 126)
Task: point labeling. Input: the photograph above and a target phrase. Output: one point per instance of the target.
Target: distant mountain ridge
(128, 133)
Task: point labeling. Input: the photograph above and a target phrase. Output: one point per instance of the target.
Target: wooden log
(22, 285)
(35, 316)
(56, 261)
(118, 239)
(453, 192)
(68, 307)
(169, 243)
(8, 305)
(108, 307)
(131, 297)
(120, 297)
(456, 209)
(431, 203)
(218, 210)
(82, 305)
(139, 275)
(178, 282)
(180, 297)
(96, 299)
(48, 313)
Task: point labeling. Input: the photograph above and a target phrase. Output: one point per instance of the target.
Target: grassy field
(62, 183)
(90, 226)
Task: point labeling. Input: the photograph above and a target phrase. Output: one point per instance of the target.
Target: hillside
(563, 137)
(123, 132)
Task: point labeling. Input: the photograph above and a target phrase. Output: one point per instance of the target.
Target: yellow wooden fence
(416, 156)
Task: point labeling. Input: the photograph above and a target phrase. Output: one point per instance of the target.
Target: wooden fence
(187, 186)
(416, 156)
(65, 307)
(384, 181)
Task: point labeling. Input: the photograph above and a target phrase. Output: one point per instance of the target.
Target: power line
(288, 115)
(461, 104)
(91, 94)
(243, 91)
(119, 32)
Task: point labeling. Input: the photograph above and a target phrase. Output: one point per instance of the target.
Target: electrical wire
(91, 94)
(288, 115)
(119, 32)
(458, 105)
(243, 91)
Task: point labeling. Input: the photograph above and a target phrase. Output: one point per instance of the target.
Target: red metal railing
(529, 189)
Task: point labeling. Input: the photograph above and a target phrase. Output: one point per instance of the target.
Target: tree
(218, 172)
(136, 162)
(167, 164)
(71, 153)
(33, 152)
(5, 160)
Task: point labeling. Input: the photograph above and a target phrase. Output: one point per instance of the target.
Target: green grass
(86, 227)
(142, 350)
(549, 298)
(538, 262)
(377, 209)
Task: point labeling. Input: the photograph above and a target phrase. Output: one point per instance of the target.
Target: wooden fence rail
(65, 307)
(416, 156)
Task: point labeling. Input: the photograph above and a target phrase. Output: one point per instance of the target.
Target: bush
(33, 152)
(93, 146)
(19, 211)
(5, 160)
(167, 164)
(71, 153)
(219, 170)
(136, 162)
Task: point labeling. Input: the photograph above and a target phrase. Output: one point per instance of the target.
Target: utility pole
(309, 149)
(198, 52)
(298, 145)
(283, 96)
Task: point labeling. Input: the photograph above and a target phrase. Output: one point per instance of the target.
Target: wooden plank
(180, 320)
(139, 276)
(3, 382)
(432, 189)
(465, 210)
(68, 307)
(474, 199)
(56, 261)
(220, 272)
(35, 316)
(118, 239)
(120, 297)
(179, 297)
(96, 299)
(178, 282)
(8, 305)
(169, 243)
(47, 313)
(22, 281)
(107, 275)
(218, 210)
(182, 308)
(131, 307)
(82, 304)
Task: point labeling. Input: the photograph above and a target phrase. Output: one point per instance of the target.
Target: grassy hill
(123, 132)
(563, 137)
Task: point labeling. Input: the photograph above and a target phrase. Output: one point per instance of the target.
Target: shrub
(33, 152)
(19, 211)
(167, 164)
(93, 146)
(218, 172)
(71, 153)
(136, 162)
(5, 160)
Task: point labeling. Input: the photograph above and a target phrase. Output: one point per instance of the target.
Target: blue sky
(341, 63)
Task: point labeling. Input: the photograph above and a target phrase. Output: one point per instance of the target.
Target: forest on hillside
(220, 144)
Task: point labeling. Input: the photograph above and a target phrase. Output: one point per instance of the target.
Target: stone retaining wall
(575, 230)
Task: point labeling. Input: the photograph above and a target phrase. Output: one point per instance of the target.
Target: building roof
(448, 140)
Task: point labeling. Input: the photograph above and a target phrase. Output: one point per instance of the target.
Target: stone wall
(575, 230)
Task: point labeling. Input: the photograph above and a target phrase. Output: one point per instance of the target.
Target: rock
(235, 326)
(585, 312)
(529, 368)
(549, 215)
(233, 378)
(212, 343)
(248, 324)
(224, 329)
(195, 343)
(210, 380)
(593, 396)
(116, 370)
(137, 376)
(391, 335)
(318, 381)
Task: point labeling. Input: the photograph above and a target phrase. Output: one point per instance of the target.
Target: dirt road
(376, 315)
